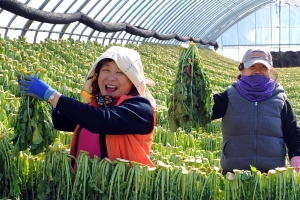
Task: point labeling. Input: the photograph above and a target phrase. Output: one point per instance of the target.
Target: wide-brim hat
(129, 62)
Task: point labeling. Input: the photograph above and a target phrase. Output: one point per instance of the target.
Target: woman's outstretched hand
(35, 87)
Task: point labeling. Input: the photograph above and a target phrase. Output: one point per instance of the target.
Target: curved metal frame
(12, 19)
(66, 10)
(88, 12)
(53, 9)
(141, 12)
(219, 32)
(115, 12)
(98, 13)
(103, 41)
(167, 18)
(117, 34)
(65, 27)
(29, 22)
(178, 20)
(199, 19)
(118, 20)
(150, 12)
(185, 30)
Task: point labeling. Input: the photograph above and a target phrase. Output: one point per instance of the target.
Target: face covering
(256, 87)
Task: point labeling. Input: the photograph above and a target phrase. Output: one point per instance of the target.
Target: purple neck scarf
(256, 87)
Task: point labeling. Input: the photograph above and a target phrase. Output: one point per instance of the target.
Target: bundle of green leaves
(191, 102)
(33, 129)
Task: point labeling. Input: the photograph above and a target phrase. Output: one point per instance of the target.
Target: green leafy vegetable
(33, 127)
(191, 101)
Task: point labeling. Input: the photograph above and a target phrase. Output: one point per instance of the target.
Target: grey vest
(252, 133)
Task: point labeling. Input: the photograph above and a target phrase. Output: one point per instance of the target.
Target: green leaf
(37, 138)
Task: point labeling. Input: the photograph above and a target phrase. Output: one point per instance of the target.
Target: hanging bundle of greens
(33, 129)
(191, 102)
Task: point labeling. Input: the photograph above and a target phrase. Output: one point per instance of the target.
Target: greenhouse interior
(167, 100)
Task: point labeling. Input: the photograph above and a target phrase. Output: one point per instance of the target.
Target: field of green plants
(187, 163)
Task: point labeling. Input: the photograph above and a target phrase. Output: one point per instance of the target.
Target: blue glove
(35, 87)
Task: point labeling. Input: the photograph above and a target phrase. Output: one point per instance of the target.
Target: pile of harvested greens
(190, 105)
(33, 130)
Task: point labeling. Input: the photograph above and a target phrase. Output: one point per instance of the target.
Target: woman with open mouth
(117, 118)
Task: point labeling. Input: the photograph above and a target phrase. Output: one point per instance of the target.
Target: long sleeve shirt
(133, 116)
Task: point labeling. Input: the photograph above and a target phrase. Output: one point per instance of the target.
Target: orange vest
(133, 147)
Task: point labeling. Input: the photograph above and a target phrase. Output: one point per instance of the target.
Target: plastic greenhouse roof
(156, 21)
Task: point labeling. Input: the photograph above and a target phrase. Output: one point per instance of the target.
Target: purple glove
(35, 87)
(295, 162)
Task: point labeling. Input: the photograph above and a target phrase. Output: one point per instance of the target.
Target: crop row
(187, 164)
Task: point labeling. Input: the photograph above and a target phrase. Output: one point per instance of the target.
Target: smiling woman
(258, 122)
(118, 118)
(111, 80)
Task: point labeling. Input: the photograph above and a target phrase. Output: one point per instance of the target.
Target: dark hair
(274, 74)
(95, 86)
(241, 66)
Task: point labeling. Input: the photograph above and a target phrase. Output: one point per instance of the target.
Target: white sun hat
(257, 55)
(129, 62)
